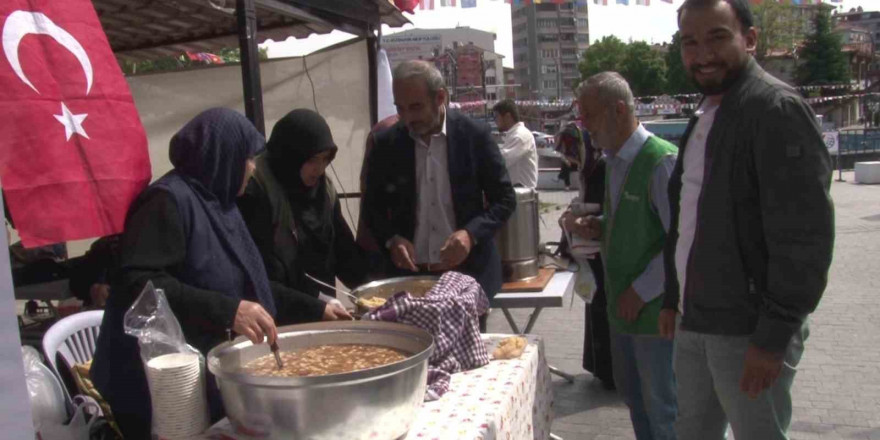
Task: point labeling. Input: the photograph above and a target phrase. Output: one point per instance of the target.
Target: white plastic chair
(74, 338)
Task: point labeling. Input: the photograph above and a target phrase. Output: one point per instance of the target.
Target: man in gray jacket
(752, 233)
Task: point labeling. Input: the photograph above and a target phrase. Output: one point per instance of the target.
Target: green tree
(607, 54)
(644, 69)
(778, 28)
(677, 80)
(823, 61)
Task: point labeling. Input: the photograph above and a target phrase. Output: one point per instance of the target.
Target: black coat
(482, 195)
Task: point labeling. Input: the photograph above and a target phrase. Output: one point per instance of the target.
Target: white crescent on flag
(22, 23)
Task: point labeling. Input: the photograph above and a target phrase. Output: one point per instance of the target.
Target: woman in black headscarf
(185, 234)
(293, 213)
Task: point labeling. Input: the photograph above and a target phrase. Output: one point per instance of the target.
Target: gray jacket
(765, 220)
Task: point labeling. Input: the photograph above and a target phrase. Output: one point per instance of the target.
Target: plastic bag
(152, 322)
(79, 427)
(48, 406)
(179, 406)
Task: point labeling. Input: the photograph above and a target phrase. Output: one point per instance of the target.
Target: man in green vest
(632, 231)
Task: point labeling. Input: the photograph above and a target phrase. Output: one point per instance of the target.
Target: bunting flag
(623, 2)
(643, 2)
(667, 1)
(601, 2)
(426, 4)
(468, 4)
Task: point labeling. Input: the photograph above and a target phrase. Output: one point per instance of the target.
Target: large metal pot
(518, 238)
(379, 403)
(417, 286)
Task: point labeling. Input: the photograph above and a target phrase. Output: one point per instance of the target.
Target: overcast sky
(655, 23)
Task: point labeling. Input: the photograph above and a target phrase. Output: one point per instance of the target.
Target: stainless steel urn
(518, 239)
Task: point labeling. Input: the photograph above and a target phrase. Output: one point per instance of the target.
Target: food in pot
(325, 359)
(372, 303)
(510, 348)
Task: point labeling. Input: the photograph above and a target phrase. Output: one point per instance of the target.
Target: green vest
(633, 235)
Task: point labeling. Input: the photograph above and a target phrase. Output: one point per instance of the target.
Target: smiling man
(752, 233)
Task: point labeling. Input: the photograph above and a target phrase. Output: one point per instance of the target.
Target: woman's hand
(334, 312)
(254, 322)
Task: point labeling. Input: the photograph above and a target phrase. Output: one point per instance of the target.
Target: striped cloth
(449, 312)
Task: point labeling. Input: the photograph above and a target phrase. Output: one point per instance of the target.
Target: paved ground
(837, 390)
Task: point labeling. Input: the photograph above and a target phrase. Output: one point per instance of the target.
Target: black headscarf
(210, 153)
(297, 137)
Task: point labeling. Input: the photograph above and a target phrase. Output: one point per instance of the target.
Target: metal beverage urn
(518, 239)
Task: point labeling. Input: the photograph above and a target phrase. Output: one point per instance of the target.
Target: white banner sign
(832, 139)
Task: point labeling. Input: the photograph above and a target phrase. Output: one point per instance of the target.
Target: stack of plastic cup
(177, 389)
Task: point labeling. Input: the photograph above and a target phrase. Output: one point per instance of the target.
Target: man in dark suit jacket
(437, 189)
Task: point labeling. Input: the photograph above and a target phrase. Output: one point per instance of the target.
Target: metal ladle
(344, 292)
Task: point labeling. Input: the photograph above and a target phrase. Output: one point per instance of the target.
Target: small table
(506, 399)
(561, 284)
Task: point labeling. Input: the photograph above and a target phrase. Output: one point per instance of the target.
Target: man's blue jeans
(643, 375)
(709, 368)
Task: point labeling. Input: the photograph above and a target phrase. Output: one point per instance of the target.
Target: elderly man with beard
(753, 229)
(633, 231)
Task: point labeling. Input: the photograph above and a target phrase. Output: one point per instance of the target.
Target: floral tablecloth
(505, 400)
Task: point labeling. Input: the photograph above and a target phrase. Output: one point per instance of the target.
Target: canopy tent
(149, 29)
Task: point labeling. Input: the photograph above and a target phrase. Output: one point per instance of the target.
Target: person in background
(752, 233)
(597, 341)
(185, 234)
(437, 188)
(92, 274)
(519, 150)
(570, 144)
(633, 232)
(294, 214)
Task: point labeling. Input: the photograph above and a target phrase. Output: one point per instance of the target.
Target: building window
(548, 68)
(582, 23)
(550, 53)
(567, 21)
(492, 96)
(490, 80)
(548, 38)
(550, 83)
(568, 67)
(546, 7)
(582, 9)
(583, 38)
(569, 52)
(566, 37)
(546, 23)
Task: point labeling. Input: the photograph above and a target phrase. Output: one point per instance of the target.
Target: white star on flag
(72, 123)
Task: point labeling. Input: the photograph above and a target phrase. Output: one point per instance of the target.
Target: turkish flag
(73, 152)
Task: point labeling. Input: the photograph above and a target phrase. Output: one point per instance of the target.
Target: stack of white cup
(177, 389)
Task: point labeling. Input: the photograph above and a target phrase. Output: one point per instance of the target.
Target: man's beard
(717, 88)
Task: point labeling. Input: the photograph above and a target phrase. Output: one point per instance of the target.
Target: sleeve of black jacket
(352, 265)
(293, 306)
(153, 243)
(496, 186)
(793, 173)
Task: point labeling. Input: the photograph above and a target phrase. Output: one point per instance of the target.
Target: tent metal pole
(250, 63)
(372, 54)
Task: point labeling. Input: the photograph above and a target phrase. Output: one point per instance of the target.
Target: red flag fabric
(407, 5)
(73, 154)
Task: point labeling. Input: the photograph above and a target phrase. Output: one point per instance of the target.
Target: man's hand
(456, 249)
(334, 311)
(666, 323)
(254, 322)
(760, 371)
(629, 305)
(403, 253)
(589, 227)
